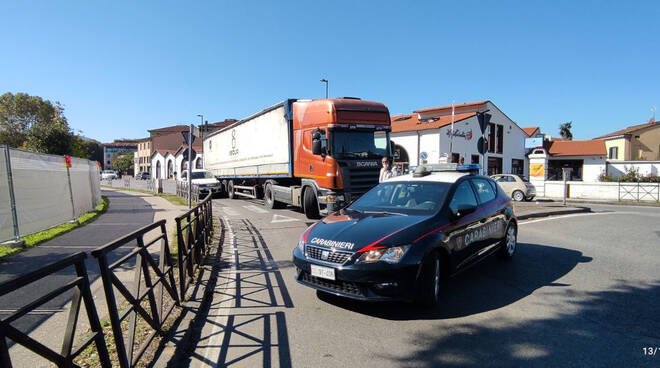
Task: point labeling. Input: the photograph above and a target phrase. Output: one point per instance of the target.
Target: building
(425, 137)
(110, 149)
(634, 143)
(143, 156)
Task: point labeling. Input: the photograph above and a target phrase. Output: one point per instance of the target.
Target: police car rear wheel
(509, 242)
(429, 291)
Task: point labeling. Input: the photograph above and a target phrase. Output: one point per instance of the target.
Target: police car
(400, 239)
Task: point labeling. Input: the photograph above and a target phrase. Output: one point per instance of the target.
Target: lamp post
(201, 130)
(326, 86)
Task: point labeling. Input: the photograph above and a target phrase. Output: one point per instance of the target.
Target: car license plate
(323, 272)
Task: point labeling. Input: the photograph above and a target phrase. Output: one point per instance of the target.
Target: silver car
(515, 187)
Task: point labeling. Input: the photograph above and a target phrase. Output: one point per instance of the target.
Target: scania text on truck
(315, 154)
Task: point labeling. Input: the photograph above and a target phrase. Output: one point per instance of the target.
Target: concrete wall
(648, 192)
(618, 168)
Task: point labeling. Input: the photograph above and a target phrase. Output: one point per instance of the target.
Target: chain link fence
(39, 191)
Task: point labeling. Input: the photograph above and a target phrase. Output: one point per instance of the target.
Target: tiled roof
(593, 147)
(410, 122)
(196, 148)
(457, 107)
(530, 131)
(173, 128)
(121, 144)
(222, 124)
(631, 129)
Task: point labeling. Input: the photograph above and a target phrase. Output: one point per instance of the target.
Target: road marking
(280, 218)
(576, 215)
(256, 209)
(229, 211)
(215, 339)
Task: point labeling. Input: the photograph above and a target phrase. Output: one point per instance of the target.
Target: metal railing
(81, 295)
(152, 275)
(639, 191)
(194, 230)
(182, 190)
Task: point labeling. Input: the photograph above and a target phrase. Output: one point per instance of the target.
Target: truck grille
(338, 285)
(333, 257)
(358, 181)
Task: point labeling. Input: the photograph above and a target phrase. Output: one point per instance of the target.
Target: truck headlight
(389, 255)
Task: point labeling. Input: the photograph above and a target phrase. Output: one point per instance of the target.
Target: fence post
(73, 207)
(12, 198)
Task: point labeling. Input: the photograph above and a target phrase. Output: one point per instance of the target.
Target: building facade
(634, 143)
(143, 156)
(425, 136)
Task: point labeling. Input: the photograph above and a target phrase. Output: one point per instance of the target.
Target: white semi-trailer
(314, 154)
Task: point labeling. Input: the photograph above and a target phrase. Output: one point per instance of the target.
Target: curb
(556, 213)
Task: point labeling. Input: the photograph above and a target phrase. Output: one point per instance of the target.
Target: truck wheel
(230, 190)
(269, 198)
(428, 293)
(310, 206)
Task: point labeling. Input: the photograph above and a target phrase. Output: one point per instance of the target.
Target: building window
(500, 138)
(475, 159)
(517, 167)
(455, 157)
(494, 165)
(614, 153)
(491, 137)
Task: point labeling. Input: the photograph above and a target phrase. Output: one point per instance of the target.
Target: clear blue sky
(121, 68)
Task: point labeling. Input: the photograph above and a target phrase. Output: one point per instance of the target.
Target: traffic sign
(483, 119)
(185, 154)
(185, 135)
(482, 145)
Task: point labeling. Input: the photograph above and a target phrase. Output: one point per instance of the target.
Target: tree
(122, 161)
(565, 131)
(87, 148)
(34, 123)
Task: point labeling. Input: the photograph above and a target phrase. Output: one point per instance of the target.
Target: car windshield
(202, 175)
(356, 143)
(406, 198)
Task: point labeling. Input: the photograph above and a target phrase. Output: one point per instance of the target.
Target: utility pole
(190, 133)
(326, 86)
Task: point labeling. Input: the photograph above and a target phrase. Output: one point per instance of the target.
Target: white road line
(280, 218)
(256, 209)
(576, 215)
(229, 211)
(221, 320)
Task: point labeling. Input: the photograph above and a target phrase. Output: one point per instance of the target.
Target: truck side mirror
(316, 146)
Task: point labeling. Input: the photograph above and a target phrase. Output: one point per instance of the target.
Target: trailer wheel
(230, 190)
(269, 198)
(310, 205)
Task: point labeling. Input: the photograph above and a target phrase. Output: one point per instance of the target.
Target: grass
(176, 200)
(48, 234)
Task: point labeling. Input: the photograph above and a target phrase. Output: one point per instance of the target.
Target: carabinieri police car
(401, 238)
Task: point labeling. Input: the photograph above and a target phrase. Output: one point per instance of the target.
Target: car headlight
(389, 255)
(301, 245)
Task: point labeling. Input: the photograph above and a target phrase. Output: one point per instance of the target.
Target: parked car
(143, 175)
(108, 175)
(520, 189)
(401, 238)
(204, 179)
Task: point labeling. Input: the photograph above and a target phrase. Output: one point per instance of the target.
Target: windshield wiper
(387, 213)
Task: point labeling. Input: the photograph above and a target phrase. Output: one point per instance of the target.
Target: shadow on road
(490, 285)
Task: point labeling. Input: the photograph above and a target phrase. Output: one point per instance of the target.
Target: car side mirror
(462, 210)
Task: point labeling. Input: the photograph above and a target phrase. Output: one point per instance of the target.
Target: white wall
(603, 191)
(618, 168)
(408, 140)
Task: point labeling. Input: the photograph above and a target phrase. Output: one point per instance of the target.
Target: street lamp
(326, 86)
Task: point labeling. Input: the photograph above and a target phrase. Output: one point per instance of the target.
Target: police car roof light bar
(471, 168)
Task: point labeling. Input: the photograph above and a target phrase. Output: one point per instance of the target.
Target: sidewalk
(533, 209)
(128, 211)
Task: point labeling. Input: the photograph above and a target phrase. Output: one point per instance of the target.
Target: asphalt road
(583, 290)
(125, 214)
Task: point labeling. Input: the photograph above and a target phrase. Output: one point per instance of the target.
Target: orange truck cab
(315, 154)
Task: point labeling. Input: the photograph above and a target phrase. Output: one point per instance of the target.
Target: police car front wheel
(430, 277)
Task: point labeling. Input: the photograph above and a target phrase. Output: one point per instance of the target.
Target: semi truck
(318, 155)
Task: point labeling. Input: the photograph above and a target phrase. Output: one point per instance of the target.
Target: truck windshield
(356, 143)
(406, 198)
(202, 175)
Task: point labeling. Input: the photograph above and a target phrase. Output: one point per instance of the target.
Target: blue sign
(533, 142)
(423, 155)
